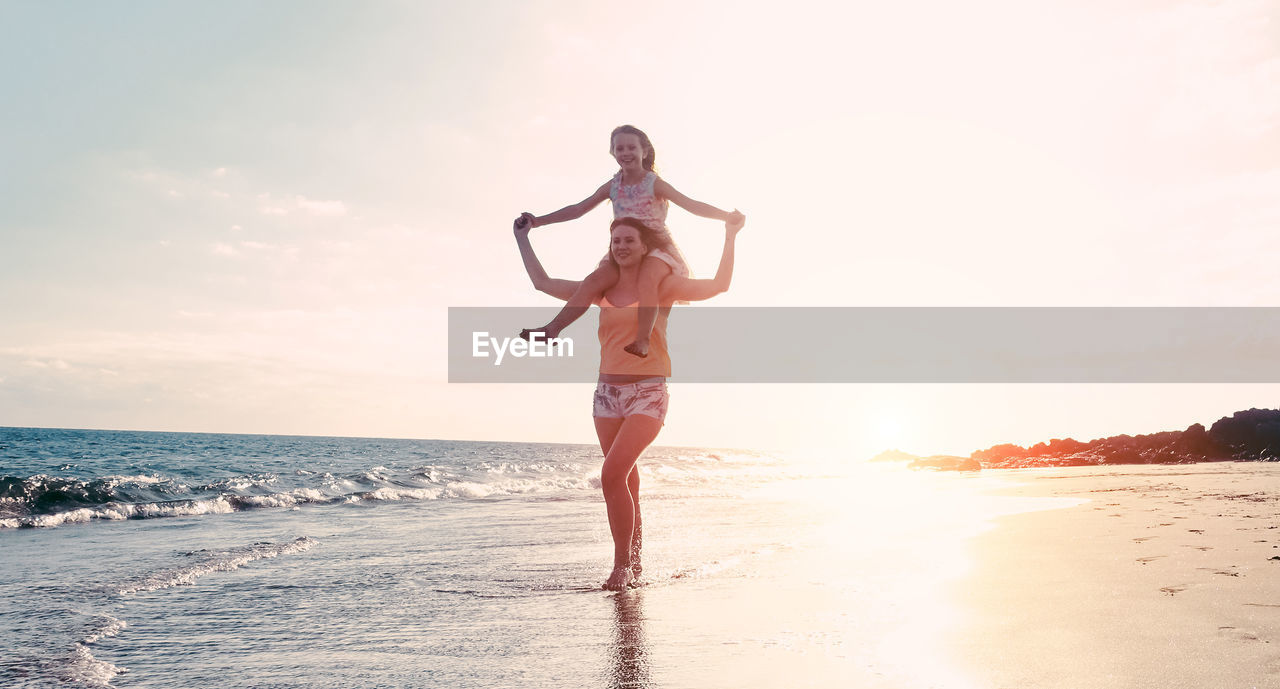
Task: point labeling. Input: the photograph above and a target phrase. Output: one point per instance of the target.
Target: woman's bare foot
(619, 579)
(638, 348)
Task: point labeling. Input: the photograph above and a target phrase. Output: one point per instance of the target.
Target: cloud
(59, 364)
(1220, 70)
(220, 249)
(323, 208)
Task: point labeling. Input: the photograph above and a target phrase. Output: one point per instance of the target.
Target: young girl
(636, 192)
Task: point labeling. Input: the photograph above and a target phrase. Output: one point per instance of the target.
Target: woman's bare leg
(606, 431)
(633, 435)
(633, 486)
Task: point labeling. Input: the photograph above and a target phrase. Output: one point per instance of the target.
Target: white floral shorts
(648, 397)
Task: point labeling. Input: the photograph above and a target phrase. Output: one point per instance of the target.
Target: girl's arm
(664, 190)
(560, 289)
(573, 212)
(677, 288)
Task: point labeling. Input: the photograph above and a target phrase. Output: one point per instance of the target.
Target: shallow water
(180, 560)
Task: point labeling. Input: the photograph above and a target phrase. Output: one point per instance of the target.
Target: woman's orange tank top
(617, 330)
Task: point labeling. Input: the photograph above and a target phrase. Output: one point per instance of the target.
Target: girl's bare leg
(633, 435)
(595, 284)
(652, 272)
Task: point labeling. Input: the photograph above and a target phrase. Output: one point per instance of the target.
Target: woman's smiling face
(625, 245)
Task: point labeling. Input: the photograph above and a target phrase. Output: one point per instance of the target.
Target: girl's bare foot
(638, 348)
(547, 333)
(618, 579)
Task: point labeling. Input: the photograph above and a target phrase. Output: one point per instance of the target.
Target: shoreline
(1165, 578)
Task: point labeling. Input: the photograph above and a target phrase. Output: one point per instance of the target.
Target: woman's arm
(560, 289)
(677, 288)
(664, 190)
(573, 212)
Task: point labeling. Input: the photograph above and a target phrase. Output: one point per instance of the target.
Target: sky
(252, 217)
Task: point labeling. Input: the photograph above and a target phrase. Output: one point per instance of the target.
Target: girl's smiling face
(625, 246)
(629, 151)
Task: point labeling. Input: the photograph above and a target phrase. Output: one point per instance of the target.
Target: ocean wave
(241, 483)
(139, 479)
(396, 494)
(43, 501)
(82, 669)
(104, 626)
(473, 489)
(213, 561)
(122, 511)
(290, 499)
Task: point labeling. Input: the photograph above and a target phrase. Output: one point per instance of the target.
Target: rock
(894, 456)
(1246, 435)
(946, 463)
(1253, 434)
(1250, 434)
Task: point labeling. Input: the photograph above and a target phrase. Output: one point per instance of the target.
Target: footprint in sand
(1238, 634)
(1196, 530)
(1143, 538)
(1173, 589)
(1145, 560)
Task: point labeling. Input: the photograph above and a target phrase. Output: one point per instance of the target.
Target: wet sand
(1168, 577)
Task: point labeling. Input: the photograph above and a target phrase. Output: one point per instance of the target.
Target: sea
(147, 559)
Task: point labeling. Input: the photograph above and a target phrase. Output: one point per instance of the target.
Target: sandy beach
(1168, 577)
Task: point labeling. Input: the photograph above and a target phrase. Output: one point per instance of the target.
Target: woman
(631, 395)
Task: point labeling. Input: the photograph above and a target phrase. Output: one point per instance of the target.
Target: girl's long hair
(649, 154)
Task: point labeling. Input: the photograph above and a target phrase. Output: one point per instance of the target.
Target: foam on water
(212, 561)
(177, 486)
(82, 669)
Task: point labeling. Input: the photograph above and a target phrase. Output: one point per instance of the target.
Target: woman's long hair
(648, 236)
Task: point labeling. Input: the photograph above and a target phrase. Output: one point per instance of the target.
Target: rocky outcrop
(894, 456)
(945, 463)
(1253, 434)
(935, 462)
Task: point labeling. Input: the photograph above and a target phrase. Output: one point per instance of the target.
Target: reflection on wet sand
(630, 653)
